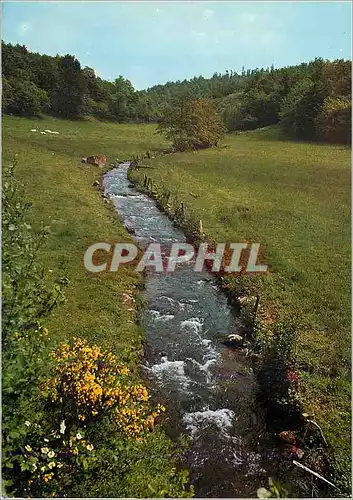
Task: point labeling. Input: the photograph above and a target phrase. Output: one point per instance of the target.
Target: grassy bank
(99, 308)
(61, 191)
(294, 199)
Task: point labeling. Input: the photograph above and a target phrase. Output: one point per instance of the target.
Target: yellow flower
(51, 465)
(28, 448)
(90, 447)
(51, 454)
(45, 450)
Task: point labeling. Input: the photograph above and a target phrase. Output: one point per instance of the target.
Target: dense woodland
(310, 101)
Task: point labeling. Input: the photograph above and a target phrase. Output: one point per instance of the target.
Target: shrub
(80, 427)
(97, 109)
(192, 125)
(24, 98)
(334, 124)
(89, 382)
(299, 110)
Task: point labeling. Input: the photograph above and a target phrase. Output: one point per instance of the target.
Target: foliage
(334, 122)
(193, 125)
(275, 490)
(70, 88)
(62, 432)
(300, 109)
(88, 382)
(24, 98)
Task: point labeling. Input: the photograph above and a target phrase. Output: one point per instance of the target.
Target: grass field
(294, 199)
(61, 191)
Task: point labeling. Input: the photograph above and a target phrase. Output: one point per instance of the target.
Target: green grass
(294, 199)
(61, 191)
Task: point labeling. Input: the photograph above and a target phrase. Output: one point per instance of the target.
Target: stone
(234, 340)
(130, 230)
(96, 160)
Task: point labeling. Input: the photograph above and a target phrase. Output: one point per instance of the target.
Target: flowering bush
(88, 382)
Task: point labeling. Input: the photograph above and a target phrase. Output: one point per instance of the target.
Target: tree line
(310, 101)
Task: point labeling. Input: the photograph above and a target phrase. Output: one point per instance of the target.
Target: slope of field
(61, 191)
(294, 199)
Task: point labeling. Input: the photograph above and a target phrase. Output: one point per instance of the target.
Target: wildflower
(90, 447)
(51, 454)
(78, 436)
(46, 440)
(45, 450)
(28, 448)
(59, 465)
(47, 477)
(51, 465)
(62, 427)
(43, 468)
(27, 423)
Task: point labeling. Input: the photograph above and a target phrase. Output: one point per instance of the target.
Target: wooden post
(257, 303)
(201, 227)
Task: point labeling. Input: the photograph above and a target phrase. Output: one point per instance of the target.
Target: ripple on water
(171, 371)
(158, 316)
(193, 324)
(196, 421)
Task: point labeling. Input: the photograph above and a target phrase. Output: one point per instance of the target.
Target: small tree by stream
(192, 125)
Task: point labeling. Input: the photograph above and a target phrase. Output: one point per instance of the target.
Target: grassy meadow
(60, 189)
(294, 199)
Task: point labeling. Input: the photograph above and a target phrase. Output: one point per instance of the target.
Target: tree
(68, 100)
(193, 125)
(300, 109)
(24, 98)
(334, 123)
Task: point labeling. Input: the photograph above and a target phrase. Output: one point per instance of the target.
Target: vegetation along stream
(210, 389)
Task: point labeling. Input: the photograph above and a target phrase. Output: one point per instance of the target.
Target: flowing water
(209, 388)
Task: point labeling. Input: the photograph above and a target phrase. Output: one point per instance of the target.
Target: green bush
(299, 110)
(192, 125)
(97, 109)
(334, 123)
(24, 98)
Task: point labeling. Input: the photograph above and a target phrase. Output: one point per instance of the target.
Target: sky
(155, 42)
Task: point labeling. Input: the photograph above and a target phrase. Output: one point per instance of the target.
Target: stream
(209, 389)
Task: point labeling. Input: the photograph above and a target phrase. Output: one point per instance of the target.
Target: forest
(310, 101)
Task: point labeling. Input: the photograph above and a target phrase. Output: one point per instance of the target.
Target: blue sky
(153, 42)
